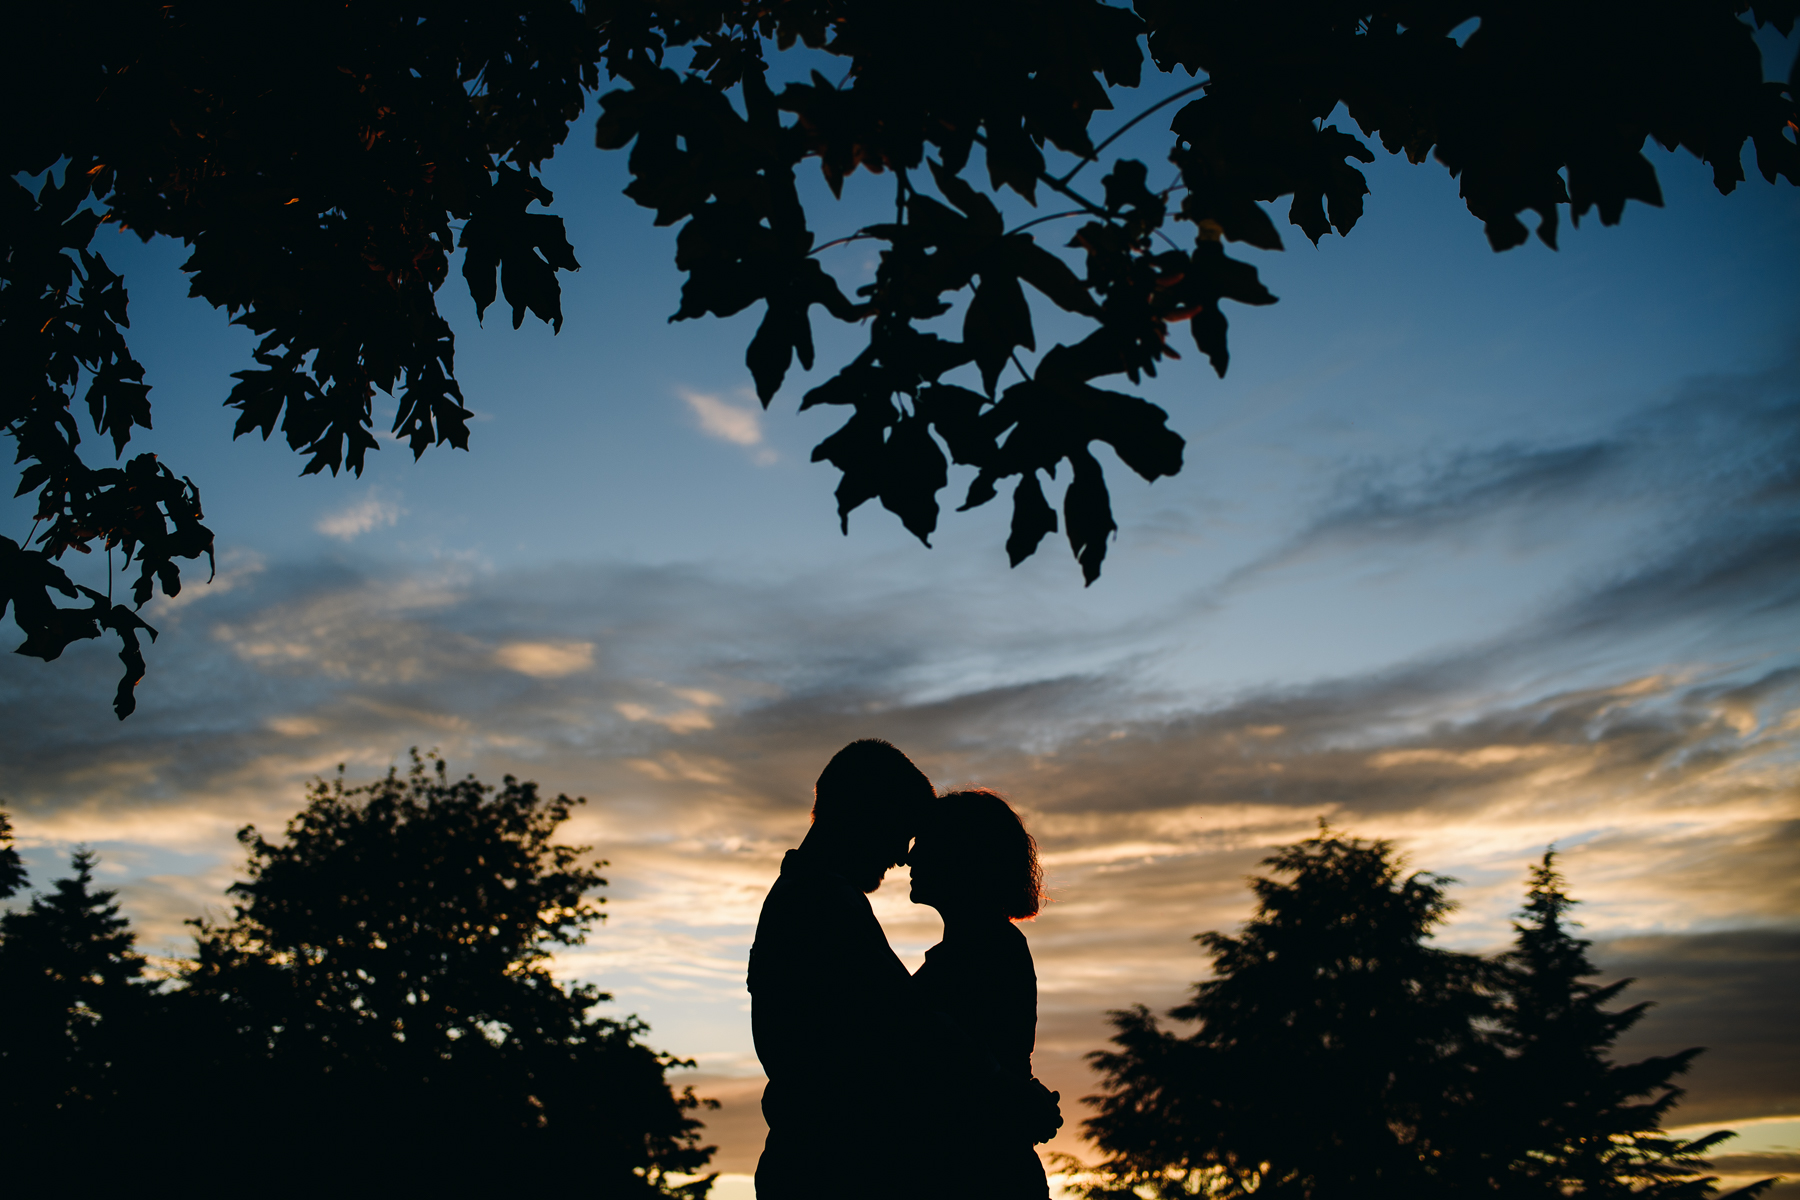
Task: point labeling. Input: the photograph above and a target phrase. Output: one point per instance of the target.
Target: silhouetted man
(829, 1000)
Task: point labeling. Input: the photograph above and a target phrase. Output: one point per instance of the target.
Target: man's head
(866, 807)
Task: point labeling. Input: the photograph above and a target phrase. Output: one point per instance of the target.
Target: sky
(1478, 553)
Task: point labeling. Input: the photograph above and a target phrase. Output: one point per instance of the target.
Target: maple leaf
(525, 249)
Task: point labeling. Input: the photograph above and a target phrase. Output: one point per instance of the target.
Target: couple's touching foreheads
(884, 1083)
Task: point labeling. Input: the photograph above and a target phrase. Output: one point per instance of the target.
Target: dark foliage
(378, 1009)
(74, 1012)
(1337, 1054)
(317, 159)
(1572, 1122)
(1533, 95)
(12, 868)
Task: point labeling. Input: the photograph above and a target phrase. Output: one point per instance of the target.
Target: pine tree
(1577, 1123)
(1335, 1054)
(73, 1006)
(12, 868)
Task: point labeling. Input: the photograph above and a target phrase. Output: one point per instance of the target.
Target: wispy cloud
(741, 425)
(676, 719)
(546, 660)
(237, 566)
(370, 513)
(1720, 443)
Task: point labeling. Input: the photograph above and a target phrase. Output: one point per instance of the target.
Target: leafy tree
(1579, 1124)
(1336, 1051)
(74, 1007)
(319, 158)
(382, 998)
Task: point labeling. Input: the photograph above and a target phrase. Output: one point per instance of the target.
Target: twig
(1074, 212)
(1054, 184)
(1117, 133)
(858, 236)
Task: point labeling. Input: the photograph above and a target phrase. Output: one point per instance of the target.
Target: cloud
(370, 513)
(682, 720)
(546, 660)
(1731, 992)
(1645, 718)
(237, 566)
(697, 710)
(741, 426)
(1724, 443)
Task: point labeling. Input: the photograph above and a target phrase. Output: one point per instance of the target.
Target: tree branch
(1121, 130)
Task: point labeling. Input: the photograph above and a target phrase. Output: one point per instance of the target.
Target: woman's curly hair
(991, 848)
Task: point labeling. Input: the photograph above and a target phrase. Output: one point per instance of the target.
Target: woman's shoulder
(1017, 945)
(1004, 947)
(989, 946)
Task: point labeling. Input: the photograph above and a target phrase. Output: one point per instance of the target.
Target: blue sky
(1473, 551)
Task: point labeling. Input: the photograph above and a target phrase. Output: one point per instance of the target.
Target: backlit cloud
(741, 425)
(370, 513)
(1672, 793)
(546, 660)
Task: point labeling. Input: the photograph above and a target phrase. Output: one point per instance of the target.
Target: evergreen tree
(1576, 1123)
(1336, 1050)
(12, 868)
(381, 1000)
(73, 1008)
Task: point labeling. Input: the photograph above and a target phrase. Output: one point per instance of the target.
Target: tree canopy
(74, 1010)
(1337, 1053)
(379, 1007)
(326, 163)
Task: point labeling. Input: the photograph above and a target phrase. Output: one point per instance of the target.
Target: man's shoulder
(803, 895)
(814, 920)
(805, 880)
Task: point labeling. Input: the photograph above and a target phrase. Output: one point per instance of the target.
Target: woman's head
(974, 854)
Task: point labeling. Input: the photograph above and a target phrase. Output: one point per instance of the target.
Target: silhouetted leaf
(998, 321)
(956, 414)
(1087, 514)
(528, 249)
(1137, 431)
(858, 450)
(914, 472)
(1032, 519)
(431, 412)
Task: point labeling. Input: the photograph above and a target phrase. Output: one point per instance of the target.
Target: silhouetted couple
(884, 1084)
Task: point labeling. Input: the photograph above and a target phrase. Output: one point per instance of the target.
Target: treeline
(376, 1016)
(1337, 1053)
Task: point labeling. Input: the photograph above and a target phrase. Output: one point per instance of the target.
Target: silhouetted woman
(974, 862)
